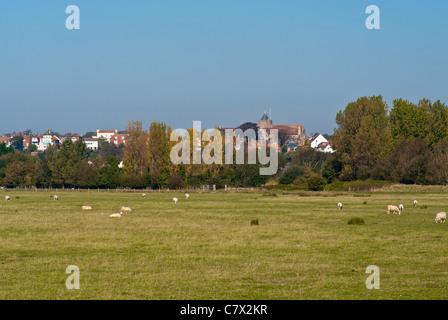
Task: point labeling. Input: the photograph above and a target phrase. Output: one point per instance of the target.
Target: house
(92, 143)
(119, 139)
(73, 136)
(6, 140)
(105, 134)
(26, 141)
(48, 139)
(291, 146)
(321, 144)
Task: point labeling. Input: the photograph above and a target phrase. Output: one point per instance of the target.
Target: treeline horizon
(408, 144)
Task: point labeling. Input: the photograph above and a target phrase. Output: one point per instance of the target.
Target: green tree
(65, 164)
(362, 137)
(159, 154)
(291, 174)
(17, 143)
(5, 150)
(407, 120)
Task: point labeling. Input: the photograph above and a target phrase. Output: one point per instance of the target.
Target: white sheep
(441, 216)
(187, 196)
(116, 215)
(125, 209)
(339, 206)
(175, 200)
(56, 198)
(400, 206)
(415, 203)
(7, 198)
(143, 195)
(394, 209)
(86, 208)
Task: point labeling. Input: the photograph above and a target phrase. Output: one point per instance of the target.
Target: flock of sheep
(440, 217)
(120, 214)
(113, 215)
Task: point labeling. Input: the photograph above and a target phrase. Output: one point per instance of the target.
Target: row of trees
(408, 144)
(145, 163)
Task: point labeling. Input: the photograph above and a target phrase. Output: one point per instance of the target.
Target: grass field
(206, 247)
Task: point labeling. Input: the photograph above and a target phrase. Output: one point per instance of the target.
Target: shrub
(316, 183)
(134, 181)
(272, 194)
(356, 221)
(291, 174)
(254, 222)
(175, 182)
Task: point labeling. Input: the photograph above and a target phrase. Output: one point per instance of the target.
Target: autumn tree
(136, 153)
(409, 161)
(437, 172)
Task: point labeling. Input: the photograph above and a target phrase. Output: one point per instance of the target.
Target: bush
(175, 182)
(254, 222)
(134, 181)
(356, 221)
(272, 194)
(316, 183)
(291, 174)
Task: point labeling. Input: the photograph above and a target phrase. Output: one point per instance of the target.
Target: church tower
(265, 122)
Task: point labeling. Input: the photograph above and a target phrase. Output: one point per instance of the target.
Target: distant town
(290, 137)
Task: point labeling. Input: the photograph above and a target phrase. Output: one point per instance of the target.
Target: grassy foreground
(206, 247)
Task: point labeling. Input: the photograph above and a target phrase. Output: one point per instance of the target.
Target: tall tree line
(408, 144)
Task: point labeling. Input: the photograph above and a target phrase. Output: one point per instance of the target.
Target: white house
(321, 144)
(91, 143)
(47, 139)
(105, 134)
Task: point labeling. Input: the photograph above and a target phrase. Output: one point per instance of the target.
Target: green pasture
(206, 247)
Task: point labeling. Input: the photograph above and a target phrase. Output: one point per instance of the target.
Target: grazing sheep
(7, 198)
(143, 195)
(86, 208)
(394, 209)
(56, 198)
(340, 206)
(441, 216)
(400, 206)
(116, 215)
(125, 209)
(175, 200)
(187, 196)
(415, 203)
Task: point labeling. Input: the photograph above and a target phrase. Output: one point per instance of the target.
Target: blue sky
(218, 61)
